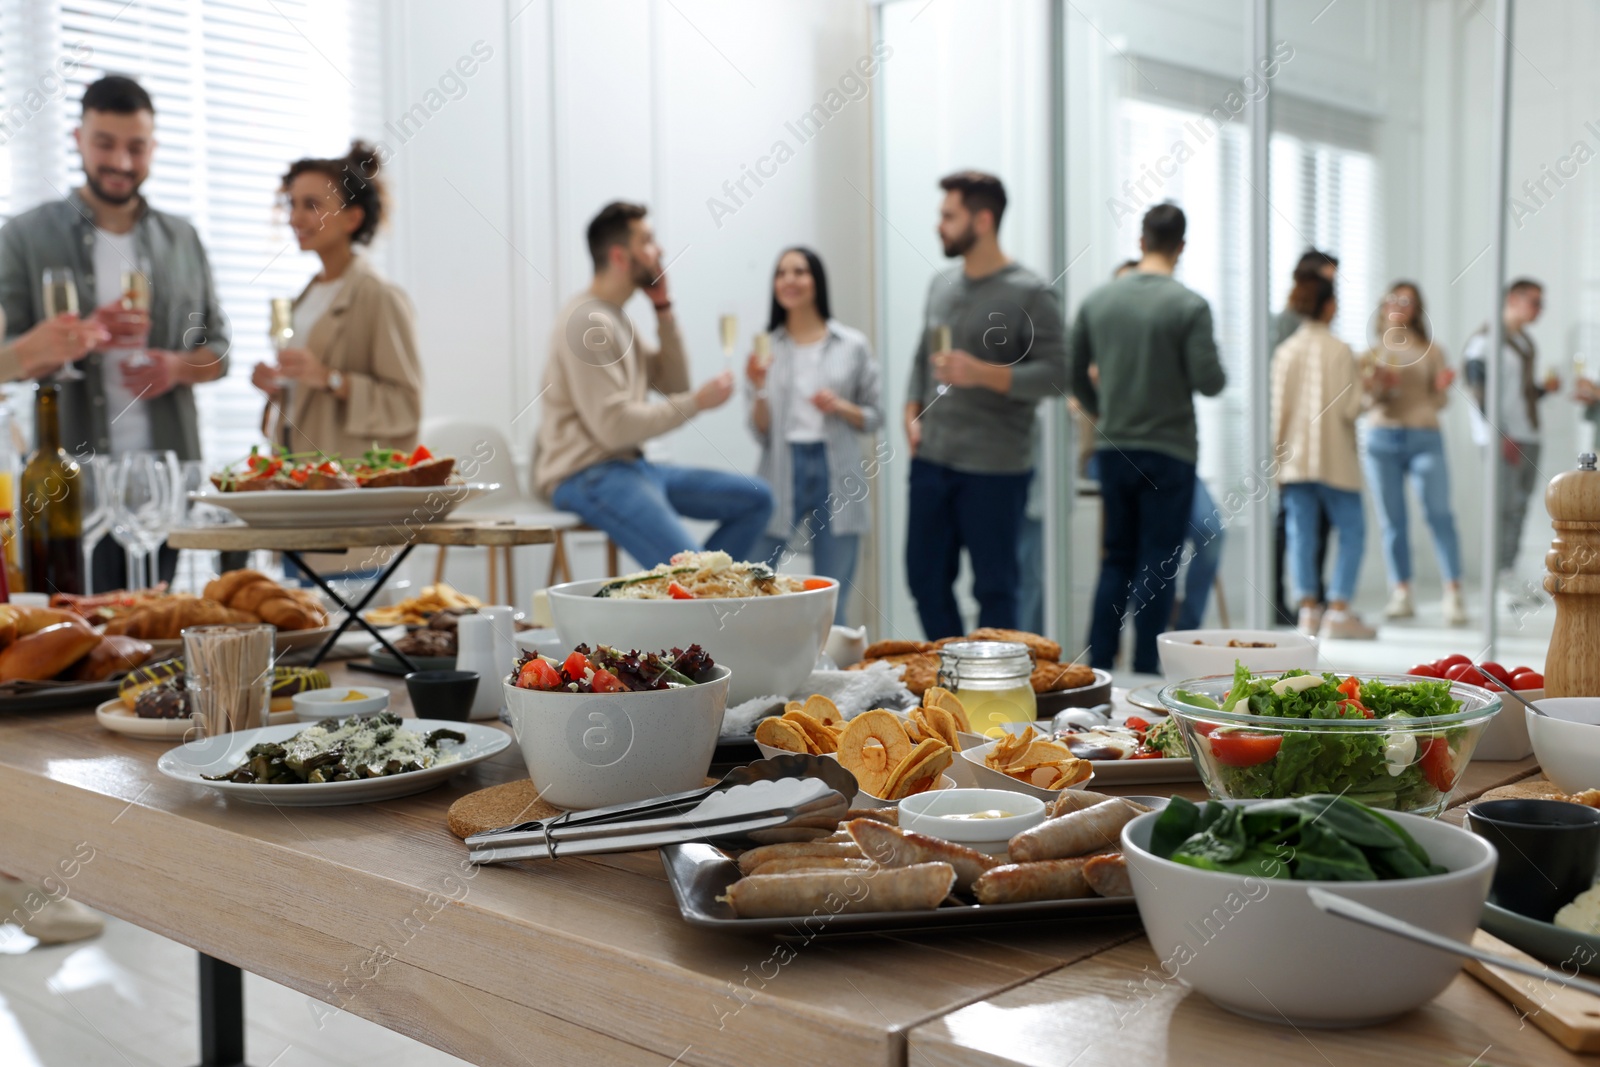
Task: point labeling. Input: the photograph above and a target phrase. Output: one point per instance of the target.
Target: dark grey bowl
(442, 694)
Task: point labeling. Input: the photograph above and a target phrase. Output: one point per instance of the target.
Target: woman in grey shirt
(807, 408)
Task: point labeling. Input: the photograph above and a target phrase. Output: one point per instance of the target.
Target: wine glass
(941, 345)
(145, 483)
(60, 288)
(95, 483)
(136, 297)
(729, 327)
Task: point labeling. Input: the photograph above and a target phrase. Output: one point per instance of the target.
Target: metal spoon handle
(1498, 684)
(1345, 908)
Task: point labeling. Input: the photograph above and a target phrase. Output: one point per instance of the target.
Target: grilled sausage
(893, 847)
(767, 896)
(1108, 875)
(1015, 883)
(752, 859)
(1075, 834)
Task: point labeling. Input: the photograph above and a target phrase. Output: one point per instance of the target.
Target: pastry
(259, 596)
(881, 649)
(287, 681)
(168, 617)
(1042, 649)
(170, 700)
(112, 656)
(47, 652)
(145, 677)
(1048, 677)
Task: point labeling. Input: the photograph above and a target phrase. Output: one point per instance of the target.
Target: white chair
(484, 446)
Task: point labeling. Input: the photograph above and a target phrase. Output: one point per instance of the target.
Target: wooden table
(292, 541)
(373, 909)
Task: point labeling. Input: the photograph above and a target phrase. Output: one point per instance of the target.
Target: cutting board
(1567, 1015)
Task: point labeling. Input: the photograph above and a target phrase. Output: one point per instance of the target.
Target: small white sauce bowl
(314, 705)
(929, 813)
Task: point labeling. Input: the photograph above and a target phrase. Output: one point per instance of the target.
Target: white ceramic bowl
(769, 642)
(989, 778)
(929, 813)
(1259, 947)
(1566, 741)
(1506, 736)
(1181, 658)
(314, 705)
(590, 750)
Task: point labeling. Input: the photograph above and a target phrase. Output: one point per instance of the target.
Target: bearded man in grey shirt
(970, 412)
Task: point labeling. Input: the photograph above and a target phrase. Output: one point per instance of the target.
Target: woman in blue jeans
(808, 405)
(1409, 383)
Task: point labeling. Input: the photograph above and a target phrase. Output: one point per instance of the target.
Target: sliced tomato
(1241, 749)
(1425, 670)
(538, 674)
(678, 592)
(1436, 764)
(1133, 722)
(575, 665)
(421, 455)
(1205, 727)
(1351, 687)
(1365, 711)
(1145, 753)
(299, 475)
(1527, 680)
(606, 682)
(817, 583)
(1449, 661)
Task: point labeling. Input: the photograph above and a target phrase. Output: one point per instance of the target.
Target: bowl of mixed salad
(1394, 742)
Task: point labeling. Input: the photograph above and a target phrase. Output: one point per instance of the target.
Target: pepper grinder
(1571, 667)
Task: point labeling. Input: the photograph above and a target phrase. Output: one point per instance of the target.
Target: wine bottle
(52, 504)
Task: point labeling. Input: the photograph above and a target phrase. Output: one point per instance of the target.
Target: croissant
(166, 618)
(253, 592)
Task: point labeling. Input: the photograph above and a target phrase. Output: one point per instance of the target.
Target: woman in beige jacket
(352, 380)
(1317, 396)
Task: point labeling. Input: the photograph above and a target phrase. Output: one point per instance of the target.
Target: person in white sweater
(1317, 397)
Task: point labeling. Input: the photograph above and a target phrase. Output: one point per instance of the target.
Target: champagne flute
(941, 345)
(136, 297)
(60, 297)
(281, 327)
(763, 347)
(729, 325)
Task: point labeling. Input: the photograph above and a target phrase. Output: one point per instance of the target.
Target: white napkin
(876, 686)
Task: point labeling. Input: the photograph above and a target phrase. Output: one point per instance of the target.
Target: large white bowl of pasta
(766, 628)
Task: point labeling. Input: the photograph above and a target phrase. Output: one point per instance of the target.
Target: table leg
(221, 1013)
(353, 612)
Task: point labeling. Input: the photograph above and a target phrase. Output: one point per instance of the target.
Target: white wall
(586, 102)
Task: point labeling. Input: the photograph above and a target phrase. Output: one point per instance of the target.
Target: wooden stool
(560, 564)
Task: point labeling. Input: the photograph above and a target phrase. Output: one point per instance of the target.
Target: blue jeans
(637, 504)
(1030, 575)
(1301, 501)
(1392, 454)
(1205, 534)
(1146, 499)
(951, 510)
(833, 555)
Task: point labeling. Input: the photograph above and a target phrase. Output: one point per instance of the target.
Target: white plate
(346, 507)
(286, 641)
(1116, 771)
(217, 756)
(115, 716)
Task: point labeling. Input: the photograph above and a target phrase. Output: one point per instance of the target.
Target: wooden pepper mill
(1572, 666)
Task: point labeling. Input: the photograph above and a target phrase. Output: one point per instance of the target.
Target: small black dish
(442, 694)
(1549, 852)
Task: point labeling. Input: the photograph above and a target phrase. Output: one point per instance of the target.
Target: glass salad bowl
(1308, 736)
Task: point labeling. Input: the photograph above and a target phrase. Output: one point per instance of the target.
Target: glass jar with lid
(991, 679)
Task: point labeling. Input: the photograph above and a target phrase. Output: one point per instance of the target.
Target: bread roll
(111, 657)
(32, 620)
(47, 652)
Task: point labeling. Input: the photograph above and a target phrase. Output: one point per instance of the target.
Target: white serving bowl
(314, 705)
(1506, 736)
(1566, 741)
(769, 642)
(989, 778)
(1181, 658)
(929, 813)
(1259, 947)
(591, 750)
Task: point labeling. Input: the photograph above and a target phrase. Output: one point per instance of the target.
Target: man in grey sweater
(1151, 339)
(970, 412)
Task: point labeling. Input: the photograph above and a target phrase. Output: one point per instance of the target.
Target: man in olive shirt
(970, 413)
(1151, 339)
(137, 392)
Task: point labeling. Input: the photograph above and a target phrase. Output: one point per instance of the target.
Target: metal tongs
(736, 811)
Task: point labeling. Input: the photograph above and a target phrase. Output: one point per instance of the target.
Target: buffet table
(373, 909)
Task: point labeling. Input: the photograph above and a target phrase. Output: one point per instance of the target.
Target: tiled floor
(127, 999)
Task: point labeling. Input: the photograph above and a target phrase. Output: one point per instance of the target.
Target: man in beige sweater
(597, 414)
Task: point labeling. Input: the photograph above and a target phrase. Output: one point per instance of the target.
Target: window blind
(241, 88)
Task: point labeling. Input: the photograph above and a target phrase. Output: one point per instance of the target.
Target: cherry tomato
(1466, 672)
(1239, 749)
(1491, 667)
(606, 682)
(1205, 727)
(538, 674)
(1527, 680)
(1436, 765)
(1425, 670)
(575, 666)
(1133, 722)
(1351, 687)
(419, 456)
(1444, 665)
(678, 592)
(817, 583)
